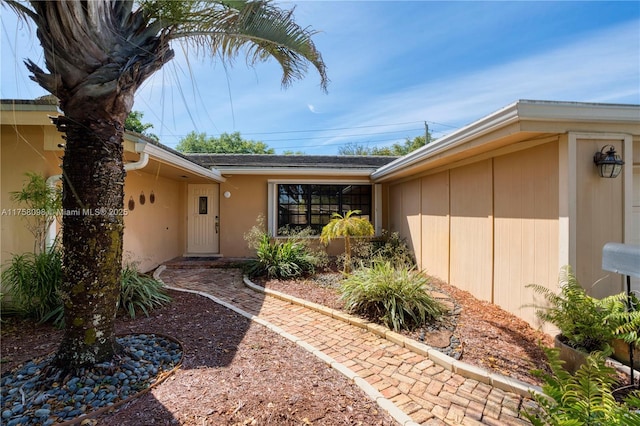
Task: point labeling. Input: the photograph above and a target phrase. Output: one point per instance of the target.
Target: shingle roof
(291, 161)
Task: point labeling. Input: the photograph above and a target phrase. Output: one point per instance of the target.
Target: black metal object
(623, 259)
(609, 163)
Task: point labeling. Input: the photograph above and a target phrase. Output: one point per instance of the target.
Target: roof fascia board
(287, 171)
(490, 123)
(175, 160)
(574, 111)
(28, 107)
(321, 181)
(519, 112)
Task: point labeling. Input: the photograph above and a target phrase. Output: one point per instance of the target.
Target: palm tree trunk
(93, 194)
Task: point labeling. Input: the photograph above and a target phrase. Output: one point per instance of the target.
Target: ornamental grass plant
(395, 295)
(140, 291)
(33, 281)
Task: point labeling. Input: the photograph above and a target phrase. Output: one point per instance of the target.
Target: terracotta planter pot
(572, 358)
(621, 353)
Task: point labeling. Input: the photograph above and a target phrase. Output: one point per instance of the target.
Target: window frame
(273, 194)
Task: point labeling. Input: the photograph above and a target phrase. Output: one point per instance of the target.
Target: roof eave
(291, 171)
(520, 111)
(165, 156)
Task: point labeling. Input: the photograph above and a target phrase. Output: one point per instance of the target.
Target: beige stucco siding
(153, 230)
(22, 151)
(249, 198)
(471, 247)
(525, 226)
(599, 218)
(435, 225)
(239, 212)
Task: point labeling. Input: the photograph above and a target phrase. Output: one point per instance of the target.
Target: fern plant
(581, 319)
(585, 398)
(394, 295)
(623, 316)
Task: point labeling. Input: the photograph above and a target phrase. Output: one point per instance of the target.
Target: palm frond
(262, 30)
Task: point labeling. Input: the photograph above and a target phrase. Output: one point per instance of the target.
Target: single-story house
(501, 203)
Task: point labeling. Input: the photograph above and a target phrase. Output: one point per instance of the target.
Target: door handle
(217, 225)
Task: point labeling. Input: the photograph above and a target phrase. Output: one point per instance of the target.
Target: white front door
(203, 221)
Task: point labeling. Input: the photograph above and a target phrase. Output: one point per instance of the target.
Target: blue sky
(393, 66)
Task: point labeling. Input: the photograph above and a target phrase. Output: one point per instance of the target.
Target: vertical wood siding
(489, 227)
(599, 219)
(526, 226)
(435, 225)
(471, 243)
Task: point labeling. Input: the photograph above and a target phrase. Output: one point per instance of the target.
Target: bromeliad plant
(395, 295)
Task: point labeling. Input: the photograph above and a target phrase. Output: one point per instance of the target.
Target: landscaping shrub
(586, 398)
(286, 258)
(32, 281)
(289, 256)
(388, 246)
(140, 291)
(580, 318)
(395, 295)
(347, 227)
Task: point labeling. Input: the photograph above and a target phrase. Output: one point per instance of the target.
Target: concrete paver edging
(384, 403)
(466, 370)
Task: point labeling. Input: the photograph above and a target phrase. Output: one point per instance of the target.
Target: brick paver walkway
(426, 391)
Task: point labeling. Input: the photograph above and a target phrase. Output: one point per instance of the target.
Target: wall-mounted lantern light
(227, 194)
(609, 163)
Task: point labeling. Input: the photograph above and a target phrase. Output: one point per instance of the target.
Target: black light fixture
(609, 163)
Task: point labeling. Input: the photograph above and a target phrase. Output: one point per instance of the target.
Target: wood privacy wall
(489, 227)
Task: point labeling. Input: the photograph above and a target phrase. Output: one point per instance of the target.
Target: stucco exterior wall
(239, 212)
(249, 198)
(154, 231)
(21, 151)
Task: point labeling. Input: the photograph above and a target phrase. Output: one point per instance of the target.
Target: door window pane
(203, 205)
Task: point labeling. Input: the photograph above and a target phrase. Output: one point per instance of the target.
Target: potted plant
(580, 319)
(624, 319)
